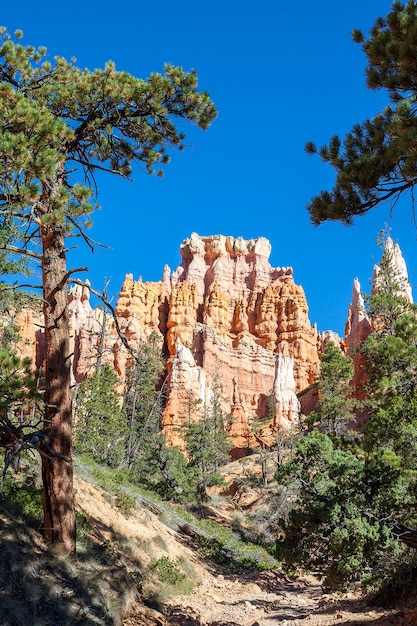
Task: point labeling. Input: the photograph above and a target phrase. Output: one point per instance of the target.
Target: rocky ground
(269, 599)
(38, 589)
(219, 599)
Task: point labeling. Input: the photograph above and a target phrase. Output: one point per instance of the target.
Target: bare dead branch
(16, 250)
(68, 274)
(88, 240)
(112, 311)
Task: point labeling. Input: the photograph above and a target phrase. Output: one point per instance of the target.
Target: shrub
(125, 503)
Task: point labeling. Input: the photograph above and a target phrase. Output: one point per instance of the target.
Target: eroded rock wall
(225, 314)
(224, 317)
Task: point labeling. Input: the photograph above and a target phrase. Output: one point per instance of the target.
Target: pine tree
(390, 354)
(207, 444)
(59, 126)
(100, 429)
(376, 161)
(140, 402)
(162, 469)
(352, 493)
(11, 299)
(335, 407)
(20, 399)
(343, 505)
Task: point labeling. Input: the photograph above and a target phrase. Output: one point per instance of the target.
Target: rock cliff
(359, 325)
(227, 321)
(223, 315)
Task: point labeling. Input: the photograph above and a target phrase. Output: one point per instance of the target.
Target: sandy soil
(273, 600)
(219, 599)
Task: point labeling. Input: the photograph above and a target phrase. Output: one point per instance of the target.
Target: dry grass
(110, 577)
(39, 587)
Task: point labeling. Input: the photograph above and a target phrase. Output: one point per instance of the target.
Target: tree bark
(57, 472)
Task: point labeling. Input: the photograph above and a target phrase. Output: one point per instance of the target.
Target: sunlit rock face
(32, 336)
(360, 324)
(225, 315)
(85, 332)
(399, 267)
(227, 322)
(357, 329)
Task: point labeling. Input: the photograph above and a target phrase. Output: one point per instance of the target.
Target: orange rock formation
(223, 315)
(226, 314)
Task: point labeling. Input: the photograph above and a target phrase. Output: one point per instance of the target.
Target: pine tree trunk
(57, 473)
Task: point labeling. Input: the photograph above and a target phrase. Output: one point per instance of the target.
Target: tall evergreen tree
(354, 493)
(59, 125)
(100, 428)
(207, 443)
(335, 407)
(376, 161)
(390, 355)
(141, 396)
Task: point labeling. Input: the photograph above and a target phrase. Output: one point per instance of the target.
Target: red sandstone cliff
(224, 314)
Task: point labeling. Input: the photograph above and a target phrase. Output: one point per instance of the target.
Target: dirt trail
(270, 598)
(219, 599)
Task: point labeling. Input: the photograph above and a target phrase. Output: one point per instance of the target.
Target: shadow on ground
(39, 587)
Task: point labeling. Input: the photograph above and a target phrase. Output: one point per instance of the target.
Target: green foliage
(388, 307)
(56, 117)
(270, 407)
(26, 495)
(59, 126)
(338, 522)
(348, 492)
(153, 464)
(107, 479)
(125, 502)
(206, 441)
(207, 448)
(390, 354)
(376, 161)
(18, 385)
(11, 300)
(167, 570)
(20, 399)
(164, 578)
(163, 470)
(335, 407)
(142, 401)
(100, 427)
(10, 264)
(128, 435)
(232, 550)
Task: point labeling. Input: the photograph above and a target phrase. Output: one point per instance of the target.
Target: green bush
(167, 571)
(164, 579)
(27, 495)
(125, 503)
(231, 549)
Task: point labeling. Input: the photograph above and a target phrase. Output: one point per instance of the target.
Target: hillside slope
(138, 565)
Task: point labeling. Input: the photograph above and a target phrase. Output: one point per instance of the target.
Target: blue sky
(280, 74)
